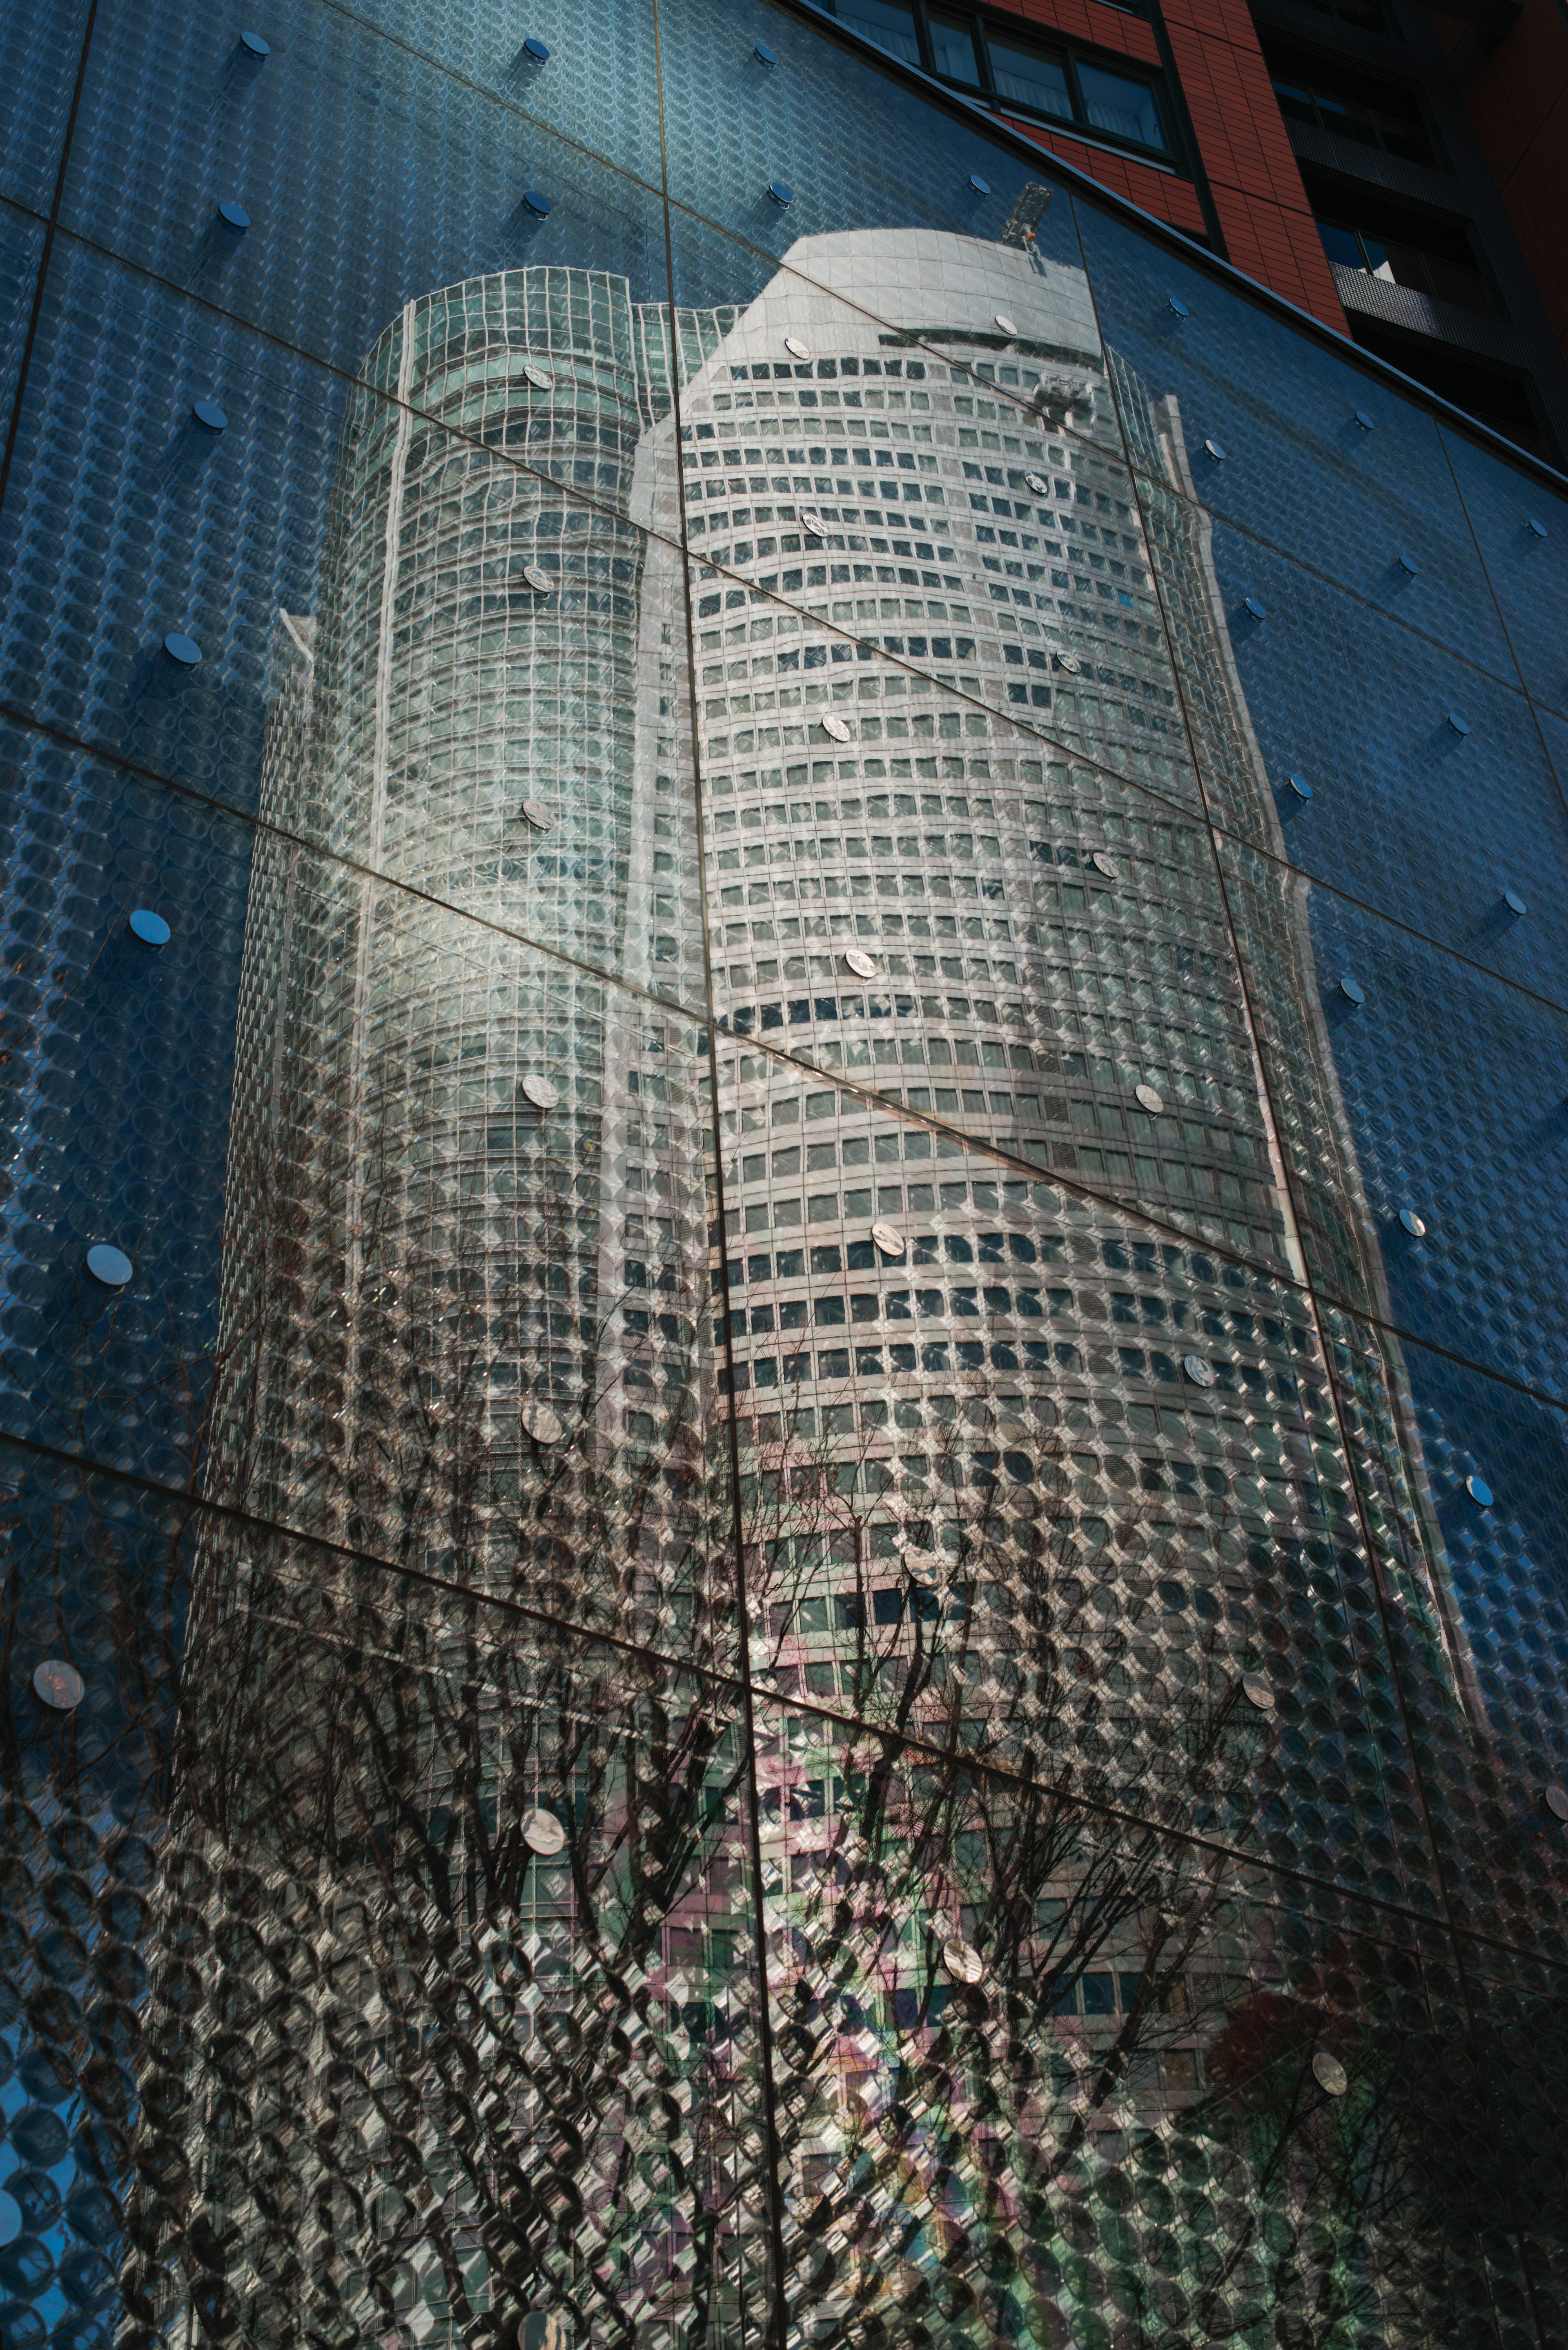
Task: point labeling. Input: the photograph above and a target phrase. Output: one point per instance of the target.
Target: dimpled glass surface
(811, 1588)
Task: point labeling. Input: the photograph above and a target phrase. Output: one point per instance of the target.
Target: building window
(1055, 81)
(1363, 231)
(1334, 96)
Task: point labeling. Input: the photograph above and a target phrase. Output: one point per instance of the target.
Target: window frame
(1435, 159)
(1339, 215)
(1070, 53)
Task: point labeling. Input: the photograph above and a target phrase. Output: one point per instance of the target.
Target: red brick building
(1398, 173)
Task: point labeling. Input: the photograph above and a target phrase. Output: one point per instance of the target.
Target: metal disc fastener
(1201, 1374)
(863, 965)
(543, 1833)
(540, 1092)
(963, 1961)
(1330, 2075)
(538, 815)
(888, 1239)
(539, 580)
(1038, 484)
(1256, 1691)
(836, 728)
(815, 524)
(540, 378)
(109, 1265)
(541, 1423)
(796, 348)
(1149, 1099)
(58, 1685)
(1005, 323)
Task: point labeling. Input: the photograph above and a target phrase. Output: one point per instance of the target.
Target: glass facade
(785, 1047)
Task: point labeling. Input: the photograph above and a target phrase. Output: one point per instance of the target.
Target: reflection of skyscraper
(1020, 1468)
(1045, 956)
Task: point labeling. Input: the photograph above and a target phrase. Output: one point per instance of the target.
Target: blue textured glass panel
(119, 1128)
(575, 702)
(1428, 825)
(40, 54)
(598, 85)
(1494, 1580)
(370, 177)
(855, 148)
(1527, 572)
(1451, 1087)
(21, 251)
(1299, 470)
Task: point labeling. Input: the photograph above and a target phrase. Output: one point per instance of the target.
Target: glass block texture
(783, 1399)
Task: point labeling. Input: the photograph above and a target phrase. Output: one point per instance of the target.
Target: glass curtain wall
(783, 1421)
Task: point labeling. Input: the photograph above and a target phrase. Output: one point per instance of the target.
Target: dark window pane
(953, 47)
(1295, 104)
(886, 22)
(1126, 108)
(1028, 77)
(1341, 245)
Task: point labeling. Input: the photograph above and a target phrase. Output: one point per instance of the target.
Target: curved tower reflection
(1045, 1463)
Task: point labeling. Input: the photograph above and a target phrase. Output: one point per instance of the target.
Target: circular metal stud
(1413, 1223)
(210, 416)
(539, 377)
(1555, 1799)
(255, 45)
(981, 187)
(1070, 662)
(1215, 450)
(1038, 484)
(796, 348)
(181, 650)
(1101, 863)
(1536, 529)
(889, 1239)
(814, 524)
(1005, 323)
(1202, 1373)
(963, 1961)
(862, 964)
(1302, 788)
(781, 191)
(149, 927)
(1255, 608)
(1364, 420)
(1180, 308)
(1456, 722)
(538, 815)
(234, 216)
(543, 1834)
(1353, 991)
(1408, 564)
(539, 1091)
(534, 47)
(765, 55)
(1479, 1491)
(541, 1423)
(1149, 1099)
(1330, 2075)
(1257, 1692)
(58, 1685)
(836, 729)
(537, 201)
(542, 582)
(109, 1265)
(1514, 902)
